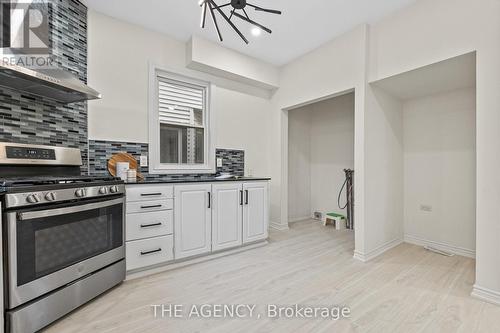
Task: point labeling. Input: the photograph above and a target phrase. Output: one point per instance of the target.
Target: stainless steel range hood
(55, 84)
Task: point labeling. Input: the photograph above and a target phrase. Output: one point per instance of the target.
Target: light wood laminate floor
(408, 289)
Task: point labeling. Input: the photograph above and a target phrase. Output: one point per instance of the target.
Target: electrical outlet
(219, 162)
(144, 161)
(426, 208)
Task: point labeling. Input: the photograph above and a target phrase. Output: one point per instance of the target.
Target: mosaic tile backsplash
(101, 151)
(28, 119)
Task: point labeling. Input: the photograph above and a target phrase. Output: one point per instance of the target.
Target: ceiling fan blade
(245, 12)
(260, 9)
(214, 20)
(213, 5)
(253, 22)
(203, 14)
(224, 5)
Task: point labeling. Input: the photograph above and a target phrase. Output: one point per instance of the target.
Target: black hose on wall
(349, 186)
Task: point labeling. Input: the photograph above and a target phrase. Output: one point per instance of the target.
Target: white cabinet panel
(148, 252)
(255, 212)
(149, 192)
(193, 222)
(147, 225)
(227, 217)
(149, 206)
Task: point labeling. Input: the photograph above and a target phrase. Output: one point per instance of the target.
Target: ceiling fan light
(256, 31)
(238, 10)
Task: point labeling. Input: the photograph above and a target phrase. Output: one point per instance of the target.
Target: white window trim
(155, 167)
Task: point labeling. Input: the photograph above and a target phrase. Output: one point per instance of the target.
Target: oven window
(46, 245)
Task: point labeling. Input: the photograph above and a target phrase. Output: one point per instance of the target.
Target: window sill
(187, 171)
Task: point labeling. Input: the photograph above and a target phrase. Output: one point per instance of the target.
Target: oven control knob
(33, 198)
(113, 189)
(80, 193)
(103, 190)
(50, 196)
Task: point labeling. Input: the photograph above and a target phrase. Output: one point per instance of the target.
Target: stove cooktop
(33, 191)
(40, 181)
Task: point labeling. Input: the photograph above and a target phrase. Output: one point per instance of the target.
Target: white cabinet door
(255, 212)
(193, 225)
(227, 216)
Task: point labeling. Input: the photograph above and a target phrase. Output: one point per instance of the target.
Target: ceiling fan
(238, 9)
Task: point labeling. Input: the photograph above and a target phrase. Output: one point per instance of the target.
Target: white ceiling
(304, 25)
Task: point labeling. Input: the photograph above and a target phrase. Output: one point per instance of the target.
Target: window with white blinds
(180, 125)
(180, 103)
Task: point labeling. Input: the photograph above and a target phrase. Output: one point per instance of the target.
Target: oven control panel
(30, 153)
(25, 154)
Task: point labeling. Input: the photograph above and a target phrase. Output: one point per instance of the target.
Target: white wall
(332, 151)
(411, 38)
(242, 124)
(321, 146)
(118, 67)
(299, 164)
(434, 30)
(383, 173)
(440, 169)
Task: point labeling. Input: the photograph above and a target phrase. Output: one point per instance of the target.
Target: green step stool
(338, 220)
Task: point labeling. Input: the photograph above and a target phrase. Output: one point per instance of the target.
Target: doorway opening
(320, 150)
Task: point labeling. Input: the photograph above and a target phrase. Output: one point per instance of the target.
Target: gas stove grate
(39, 181)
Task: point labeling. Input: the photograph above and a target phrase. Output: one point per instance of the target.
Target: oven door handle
(62, 211)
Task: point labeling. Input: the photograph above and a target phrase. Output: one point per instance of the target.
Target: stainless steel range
(63, 234)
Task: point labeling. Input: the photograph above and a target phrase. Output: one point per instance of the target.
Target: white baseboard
(298, 219)
(365, 257)
(486, 294)
(278, 226)
(440, 246)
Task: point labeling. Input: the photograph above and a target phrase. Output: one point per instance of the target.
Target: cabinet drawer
(149, 192)
(147, 225)
(149, 206)
(148, 252)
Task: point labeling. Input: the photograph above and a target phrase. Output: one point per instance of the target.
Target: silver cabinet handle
(209, 200)
(241, 198)
(151, 225)
(150, 194)
(246, 197)
(144, 253)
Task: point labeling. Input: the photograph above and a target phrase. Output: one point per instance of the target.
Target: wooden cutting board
(123, 157)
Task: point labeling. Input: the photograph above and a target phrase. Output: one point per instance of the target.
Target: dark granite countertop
(160, 180)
